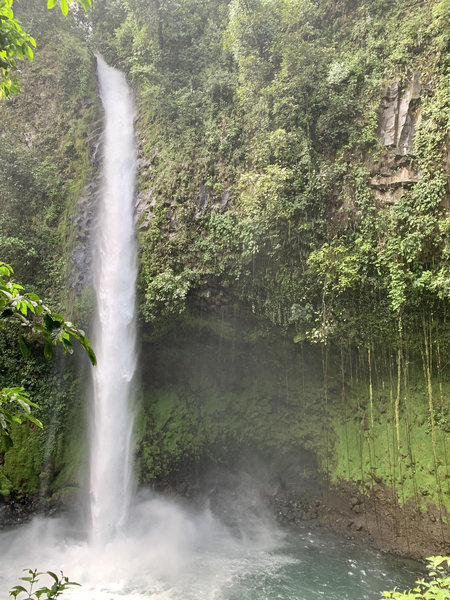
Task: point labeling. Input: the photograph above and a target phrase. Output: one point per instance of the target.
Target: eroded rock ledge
(378, 518)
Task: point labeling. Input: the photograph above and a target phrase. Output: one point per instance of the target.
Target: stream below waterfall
(169, 551)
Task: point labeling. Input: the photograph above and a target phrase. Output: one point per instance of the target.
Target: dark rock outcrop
(83, 218)
(400, 116)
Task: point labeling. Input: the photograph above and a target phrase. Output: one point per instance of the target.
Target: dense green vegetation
(16, 44)
(273, 107)
(293, 191)
(44, 169)
(435, 587)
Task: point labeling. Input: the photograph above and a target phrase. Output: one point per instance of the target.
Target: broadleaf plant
(36, 322)
(59, 585)
(435, 587)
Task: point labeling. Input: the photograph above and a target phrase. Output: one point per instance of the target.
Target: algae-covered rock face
(47, 169)
(214, 393)
(301, 425)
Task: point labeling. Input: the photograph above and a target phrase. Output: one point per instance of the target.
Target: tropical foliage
(15, 407)
(59, 585)
(16, 44)
(435, 587)
(34, 321)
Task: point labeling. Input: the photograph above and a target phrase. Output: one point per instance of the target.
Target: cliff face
(297, 177)
(293, 160)
(313, 432)
(48, 139)
(293, 226)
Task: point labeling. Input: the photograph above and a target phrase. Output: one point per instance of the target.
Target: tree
(35, 322)
(16, 44)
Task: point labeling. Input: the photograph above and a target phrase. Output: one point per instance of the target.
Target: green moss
(366, 454)
(22, 463)
(211, 399)
(5, 484)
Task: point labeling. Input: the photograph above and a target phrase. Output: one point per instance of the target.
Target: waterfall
(114, 333)
(167, 551)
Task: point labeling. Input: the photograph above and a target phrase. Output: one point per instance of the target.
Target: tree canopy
(16, 44)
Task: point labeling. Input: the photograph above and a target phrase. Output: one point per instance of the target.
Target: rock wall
(219, 400)
(400, 115)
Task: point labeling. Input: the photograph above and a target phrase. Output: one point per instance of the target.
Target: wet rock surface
(17, 509)
(400, 115)
(376, 517)
(84, 218)
(372, 516)
(295, 508)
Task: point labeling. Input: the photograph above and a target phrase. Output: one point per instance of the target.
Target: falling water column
(114, 334)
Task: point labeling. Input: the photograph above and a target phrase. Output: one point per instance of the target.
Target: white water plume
(115, 336)
(168, 551)
(165, 552)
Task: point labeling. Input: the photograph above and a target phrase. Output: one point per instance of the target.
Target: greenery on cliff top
(259, 139)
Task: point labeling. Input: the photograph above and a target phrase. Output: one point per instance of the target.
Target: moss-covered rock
(210, 398)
